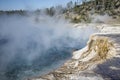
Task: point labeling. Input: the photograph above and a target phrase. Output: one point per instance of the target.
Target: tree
(70, 5)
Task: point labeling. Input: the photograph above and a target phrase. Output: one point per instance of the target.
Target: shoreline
(88, 67)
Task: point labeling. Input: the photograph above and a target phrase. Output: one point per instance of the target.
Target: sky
(30, 4)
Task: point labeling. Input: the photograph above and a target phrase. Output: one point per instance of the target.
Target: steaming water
(32, 47)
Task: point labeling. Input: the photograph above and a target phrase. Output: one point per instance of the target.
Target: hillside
(83, 12)
(78, 12)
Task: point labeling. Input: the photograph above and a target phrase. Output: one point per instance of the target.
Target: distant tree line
(11, 12)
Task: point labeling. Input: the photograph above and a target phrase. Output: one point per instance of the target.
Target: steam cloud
(33, 45)
(101, 18)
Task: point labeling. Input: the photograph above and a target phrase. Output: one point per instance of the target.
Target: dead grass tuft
(101, 45)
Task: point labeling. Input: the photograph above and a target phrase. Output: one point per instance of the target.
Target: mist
(95, 18)
(35, 45)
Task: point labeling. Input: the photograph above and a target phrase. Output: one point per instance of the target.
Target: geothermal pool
(29, 48)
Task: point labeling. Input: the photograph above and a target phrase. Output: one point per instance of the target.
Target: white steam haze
(33, 45)
(95, 18)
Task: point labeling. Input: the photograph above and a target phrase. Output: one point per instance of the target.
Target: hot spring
(32, 47)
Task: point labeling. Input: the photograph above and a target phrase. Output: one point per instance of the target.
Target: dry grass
(103, 49)
(101, 45)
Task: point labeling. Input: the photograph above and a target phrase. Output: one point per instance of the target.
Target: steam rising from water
(31, 46)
